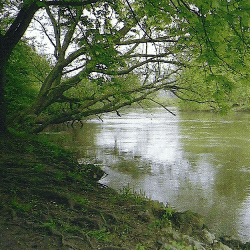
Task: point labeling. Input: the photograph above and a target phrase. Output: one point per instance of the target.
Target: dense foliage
(25, 73)
(220, 61)
(110, 54)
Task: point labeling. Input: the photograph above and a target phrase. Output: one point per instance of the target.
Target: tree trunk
(3, 108)
(7, 43)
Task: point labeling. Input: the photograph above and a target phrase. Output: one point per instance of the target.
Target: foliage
(111, 64)
(25, 73)
(127, 194)
(110, 54)
(219, 91)
(164, 220)
(218, 74)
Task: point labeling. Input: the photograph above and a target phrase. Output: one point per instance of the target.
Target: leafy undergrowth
(49, 201)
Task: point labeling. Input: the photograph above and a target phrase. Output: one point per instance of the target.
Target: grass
(17, 206)
(179, 246)
(127, 194)
(102, 235)
(139, 247)
(38, 168)
(81, 200)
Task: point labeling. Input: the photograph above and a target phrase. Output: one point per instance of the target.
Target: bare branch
(45, 32)
(160, 104)
(166, 39)
(57, 33)
(70, 3)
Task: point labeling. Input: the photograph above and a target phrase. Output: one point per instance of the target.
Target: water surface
(196, 161)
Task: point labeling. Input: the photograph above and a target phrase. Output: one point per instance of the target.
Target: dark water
(196, 161)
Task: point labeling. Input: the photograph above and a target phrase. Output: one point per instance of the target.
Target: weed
(59, 175)
(38, 168)
(35, 180)
(168, 215)
(128, 194)
(103, 218)
(17, 206)
(101, 235)
(126, 229)
(139, 247)
(57, 224)
(70, 229)
(81, 200)
(179, 246)
(156, 223)
(164, 220)
(29, 148)
(51, 224)
(1, 204)
(14, 190)
(77, 176)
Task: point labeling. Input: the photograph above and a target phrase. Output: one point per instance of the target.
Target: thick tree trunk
(7, 44)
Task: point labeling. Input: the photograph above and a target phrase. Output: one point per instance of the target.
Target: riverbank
(49, 201)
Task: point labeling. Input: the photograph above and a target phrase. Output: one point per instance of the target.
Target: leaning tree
(105, 56)
(15, 17)
(109, 54)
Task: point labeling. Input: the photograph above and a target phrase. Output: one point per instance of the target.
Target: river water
(195, 161)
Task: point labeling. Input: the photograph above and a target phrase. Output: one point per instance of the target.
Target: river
(196, 161)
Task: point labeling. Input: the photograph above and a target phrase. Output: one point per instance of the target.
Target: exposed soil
(49, 201)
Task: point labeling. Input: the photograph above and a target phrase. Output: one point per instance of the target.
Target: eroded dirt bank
(49, 201)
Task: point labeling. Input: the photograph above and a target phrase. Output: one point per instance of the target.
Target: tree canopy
(110, 54)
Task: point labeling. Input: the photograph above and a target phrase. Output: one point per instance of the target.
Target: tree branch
(152, 40)
(70, 3)
(160, 104)
(57, 32)
(46, 33)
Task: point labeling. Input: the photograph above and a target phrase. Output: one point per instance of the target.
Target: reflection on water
(197, 161)
(226, 142)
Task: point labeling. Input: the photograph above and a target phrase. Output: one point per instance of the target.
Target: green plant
(126, 228)
(101, 235)
(166, 219)
(139, 247)
(59, 175)
(168, 215)
(81, 200)
(168, 212)
(67, 227)
(156, 223)
(76, 175)
(179, 246)
(38, 168)
(128, 194)
(51, 224)
(29, 148)
(17, 206)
